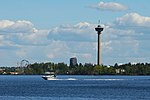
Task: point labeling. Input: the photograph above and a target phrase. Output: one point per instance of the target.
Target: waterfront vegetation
(80, 69)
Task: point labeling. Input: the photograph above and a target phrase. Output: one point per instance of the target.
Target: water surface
(30, 87)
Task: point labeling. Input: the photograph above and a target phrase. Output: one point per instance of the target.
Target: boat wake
(62, 79)
(106, 79)
(73, 79)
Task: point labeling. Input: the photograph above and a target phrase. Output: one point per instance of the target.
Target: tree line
(80, 69)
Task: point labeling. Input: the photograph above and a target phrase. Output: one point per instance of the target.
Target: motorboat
(49, 76)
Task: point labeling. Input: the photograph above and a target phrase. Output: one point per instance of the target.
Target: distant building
(73, 62)
(88, 64)
(118, 71)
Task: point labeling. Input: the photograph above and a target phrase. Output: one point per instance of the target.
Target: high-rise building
(73, 62)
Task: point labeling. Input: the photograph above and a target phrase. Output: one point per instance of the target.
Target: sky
(56, 30)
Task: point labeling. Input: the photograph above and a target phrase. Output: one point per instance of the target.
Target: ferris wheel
(24, 63)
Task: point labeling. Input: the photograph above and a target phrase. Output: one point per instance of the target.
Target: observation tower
(99, 29)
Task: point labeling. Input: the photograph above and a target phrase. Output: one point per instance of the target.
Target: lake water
(28, 87)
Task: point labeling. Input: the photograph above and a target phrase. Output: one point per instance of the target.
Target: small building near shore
(118, 71)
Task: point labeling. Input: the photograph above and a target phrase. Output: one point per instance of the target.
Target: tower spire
(99, 22)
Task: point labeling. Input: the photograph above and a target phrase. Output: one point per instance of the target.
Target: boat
(49, 76)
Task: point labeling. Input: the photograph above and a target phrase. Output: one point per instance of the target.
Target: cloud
(133, 20)
(119, 43)
(38, 38)
(115, 42)
(22, 32)
(82, 31)
(60, 43)
(6, 44)
(109, 6)
(57, 47)
(138, 24)
(20, 26)
(61, 51)
(129, 37)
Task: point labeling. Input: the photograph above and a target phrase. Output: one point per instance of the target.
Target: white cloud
(80, 32)
(109, 6)
(57, 51)
(133, 19)
(20, 26)
(116, 43)
(22, 32)
(60, 43)
(35, 38)
(5, 23)
(138, 25)
(6, 44)
(74, 40)
(107, 46)
(129, 36)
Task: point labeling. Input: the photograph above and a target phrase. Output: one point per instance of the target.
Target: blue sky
(56, 30)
